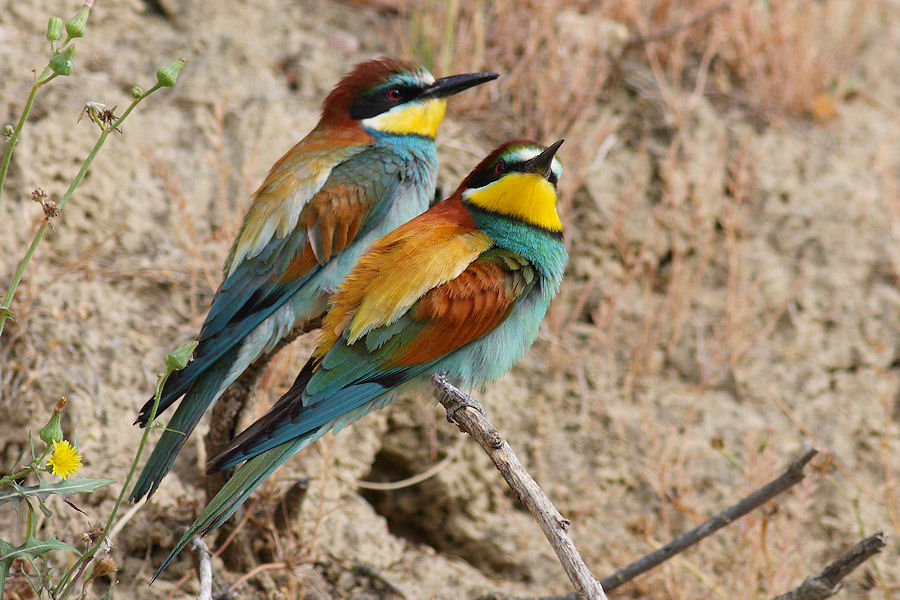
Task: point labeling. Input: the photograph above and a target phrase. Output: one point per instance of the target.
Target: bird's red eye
(394, 93)
(500, 168)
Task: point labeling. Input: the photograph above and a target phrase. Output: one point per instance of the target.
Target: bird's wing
(463, 309)
(312, 205)
(354, 377)
(374, 355)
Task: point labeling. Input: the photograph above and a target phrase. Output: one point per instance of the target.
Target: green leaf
(31, 549)
(47, 512)
(5, 547)
(43, 489)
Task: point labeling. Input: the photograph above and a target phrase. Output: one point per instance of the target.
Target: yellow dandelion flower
(65, 460)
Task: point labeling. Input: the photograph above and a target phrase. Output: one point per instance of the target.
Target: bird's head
(391, 96)
(517, 180)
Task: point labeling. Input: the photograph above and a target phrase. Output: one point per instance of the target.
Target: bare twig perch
(791, 477)
(202, 550)
(554, 526)
(824, 585)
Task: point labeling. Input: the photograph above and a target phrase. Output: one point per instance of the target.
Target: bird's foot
(462, 403)
(452, 398)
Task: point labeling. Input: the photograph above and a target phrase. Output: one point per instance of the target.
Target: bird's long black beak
(543, 162)
(447, 86)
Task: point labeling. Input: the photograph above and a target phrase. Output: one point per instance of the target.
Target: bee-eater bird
(369, 166)
(459, 290)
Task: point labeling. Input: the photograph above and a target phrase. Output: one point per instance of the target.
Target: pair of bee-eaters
(340, 227)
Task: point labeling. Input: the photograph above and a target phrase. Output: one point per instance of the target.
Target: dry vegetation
(731, 196)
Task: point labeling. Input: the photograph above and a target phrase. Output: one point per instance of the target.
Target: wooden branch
(202, 550)
(791, 477)
(824, 585)
(461, 412)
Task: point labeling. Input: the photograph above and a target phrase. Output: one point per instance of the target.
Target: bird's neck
(419, 154)
(543, 249)
(403, 141)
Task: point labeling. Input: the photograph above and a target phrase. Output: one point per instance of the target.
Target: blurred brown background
(732, 209)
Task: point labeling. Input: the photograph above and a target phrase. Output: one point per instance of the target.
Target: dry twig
(202, 550)
(552, 523)
(825, 584)
(791, 477)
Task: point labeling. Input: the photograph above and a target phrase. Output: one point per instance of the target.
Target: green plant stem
(7, 301)
(65, 583)
(39, 234)
(12, 477)
(34, 466)
(14, 138)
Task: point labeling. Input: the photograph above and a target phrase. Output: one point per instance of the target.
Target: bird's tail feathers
(246, 479)
(215, 354)
(187, 415)
(232, 453)
(181, 382)
(176, 385)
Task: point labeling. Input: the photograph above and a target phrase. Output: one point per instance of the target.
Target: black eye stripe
(405, 91)
(489, 174)
(379, 100)
(484, 177)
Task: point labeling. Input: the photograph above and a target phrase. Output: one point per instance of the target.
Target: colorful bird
(459, 290)
(369, 166)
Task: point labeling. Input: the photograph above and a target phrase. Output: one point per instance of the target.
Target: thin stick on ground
(459, 411)
(222, 547)
(824, 585)
(791, 477)
(254, 571)
(202, 550)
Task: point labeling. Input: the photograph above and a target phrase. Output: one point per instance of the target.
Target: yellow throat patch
(414, 118)
(524, 196)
